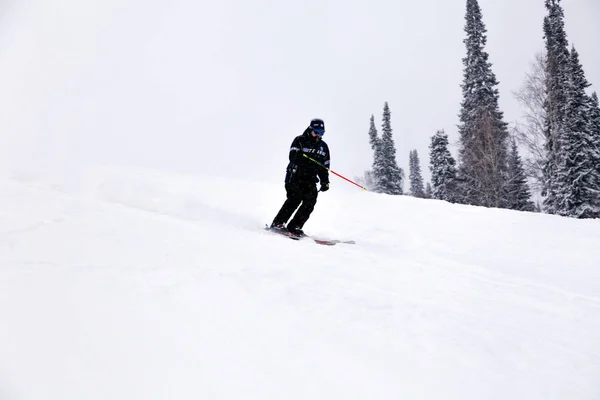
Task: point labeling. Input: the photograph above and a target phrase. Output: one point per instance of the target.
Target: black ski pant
(302, 194)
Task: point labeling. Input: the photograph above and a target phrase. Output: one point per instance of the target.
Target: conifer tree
(557, 78)
(483, 133)
(374, 140)
(594, 117)
(414, 175)
(577, 176)
(428, 191)
(518, 194)
(378, 162)
(442, 167)
(392, 176)
(594, 121)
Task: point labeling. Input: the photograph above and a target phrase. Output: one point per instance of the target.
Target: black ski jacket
(301, 170)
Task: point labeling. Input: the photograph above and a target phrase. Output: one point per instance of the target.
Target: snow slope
(131, 284)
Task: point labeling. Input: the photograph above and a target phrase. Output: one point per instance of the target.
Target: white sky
(223, 87)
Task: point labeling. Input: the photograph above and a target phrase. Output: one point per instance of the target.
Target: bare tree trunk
(531, 132)
(484, 155)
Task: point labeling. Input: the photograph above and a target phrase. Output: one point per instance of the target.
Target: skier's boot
(297, 232)
(278, 227)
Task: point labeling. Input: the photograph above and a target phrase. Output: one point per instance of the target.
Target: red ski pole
(335, 173)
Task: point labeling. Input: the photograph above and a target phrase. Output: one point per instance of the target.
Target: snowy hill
(132, 284)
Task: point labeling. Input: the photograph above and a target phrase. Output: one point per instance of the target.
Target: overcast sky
(222, 87)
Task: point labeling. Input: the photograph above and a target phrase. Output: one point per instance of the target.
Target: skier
(301, 178)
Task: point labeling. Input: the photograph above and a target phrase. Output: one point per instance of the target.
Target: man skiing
(301, 178)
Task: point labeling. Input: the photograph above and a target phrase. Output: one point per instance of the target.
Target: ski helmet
(318, 126)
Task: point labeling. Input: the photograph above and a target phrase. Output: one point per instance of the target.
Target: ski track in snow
(138, 284)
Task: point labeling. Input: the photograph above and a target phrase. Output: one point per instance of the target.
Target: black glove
(300, 156)
(324, 187)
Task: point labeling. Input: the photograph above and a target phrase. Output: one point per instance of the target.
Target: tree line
(561, 135)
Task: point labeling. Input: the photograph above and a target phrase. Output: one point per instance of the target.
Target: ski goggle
(319, 132)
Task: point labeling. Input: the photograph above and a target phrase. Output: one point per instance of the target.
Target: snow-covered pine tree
(578, 189)
(517, 192)
(594, 114)
(414, 175)
(392, 176)
(428, 191)
(378, 162)
(557, 78)
(595, 118)
(594, 128)
(442, 167)
(374, 140)
(483, 133)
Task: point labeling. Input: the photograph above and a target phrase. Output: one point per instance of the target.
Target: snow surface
(135, 284)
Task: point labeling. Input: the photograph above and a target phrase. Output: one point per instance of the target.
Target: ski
(324, 242)
(335, 241)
